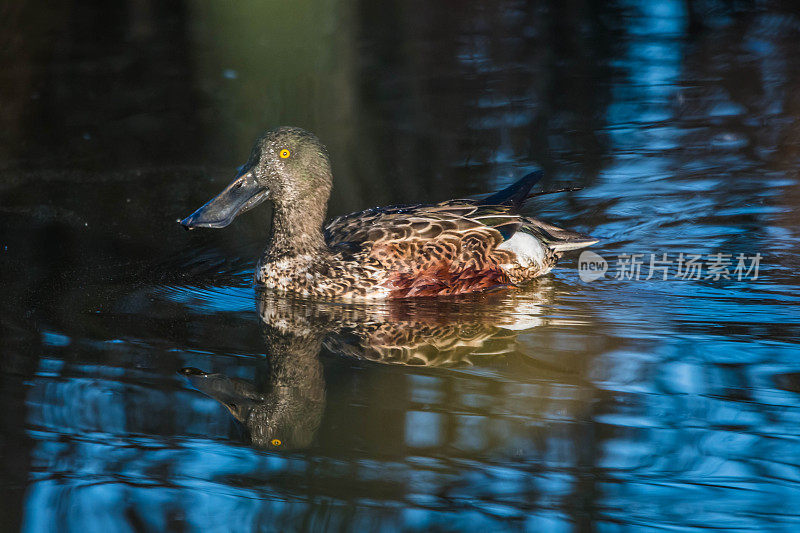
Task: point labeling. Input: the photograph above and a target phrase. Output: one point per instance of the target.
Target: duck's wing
(421, 223)
(445, 248)
(514, 195)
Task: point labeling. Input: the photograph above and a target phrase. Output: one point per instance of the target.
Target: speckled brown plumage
(449, 248)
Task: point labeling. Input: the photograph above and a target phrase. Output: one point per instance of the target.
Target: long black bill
(243, 194)
(235, 394)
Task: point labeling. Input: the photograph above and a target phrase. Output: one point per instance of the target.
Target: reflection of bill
(591, 266)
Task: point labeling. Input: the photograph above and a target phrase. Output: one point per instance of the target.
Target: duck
(448, 248)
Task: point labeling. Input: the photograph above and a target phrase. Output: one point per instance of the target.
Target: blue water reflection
(609, 405)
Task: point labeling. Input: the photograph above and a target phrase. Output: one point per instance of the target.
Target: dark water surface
(616, 404)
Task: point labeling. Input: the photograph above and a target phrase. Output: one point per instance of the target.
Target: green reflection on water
(265, 64)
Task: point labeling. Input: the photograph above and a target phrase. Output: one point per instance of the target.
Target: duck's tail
(555, 238)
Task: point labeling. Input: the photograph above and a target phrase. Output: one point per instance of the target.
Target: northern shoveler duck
(453, 247)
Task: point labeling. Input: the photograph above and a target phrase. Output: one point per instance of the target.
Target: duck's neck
(297, 229)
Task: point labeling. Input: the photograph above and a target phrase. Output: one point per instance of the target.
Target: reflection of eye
(285, 153)
(276, 442)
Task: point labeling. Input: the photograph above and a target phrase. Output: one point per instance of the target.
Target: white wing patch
(528, 249)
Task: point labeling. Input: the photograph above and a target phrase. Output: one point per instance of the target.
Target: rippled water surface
(146, 385)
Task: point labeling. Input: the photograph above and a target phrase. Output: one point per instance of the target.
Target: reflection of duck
(454, 247)
(430, 332)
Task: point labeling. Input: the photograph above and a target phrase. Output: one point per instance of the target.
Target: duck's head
(289, 166)
(281, 417)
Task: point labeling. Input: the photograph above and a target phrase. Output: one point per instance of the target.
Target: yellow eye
(284, 154)
(277, 442)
